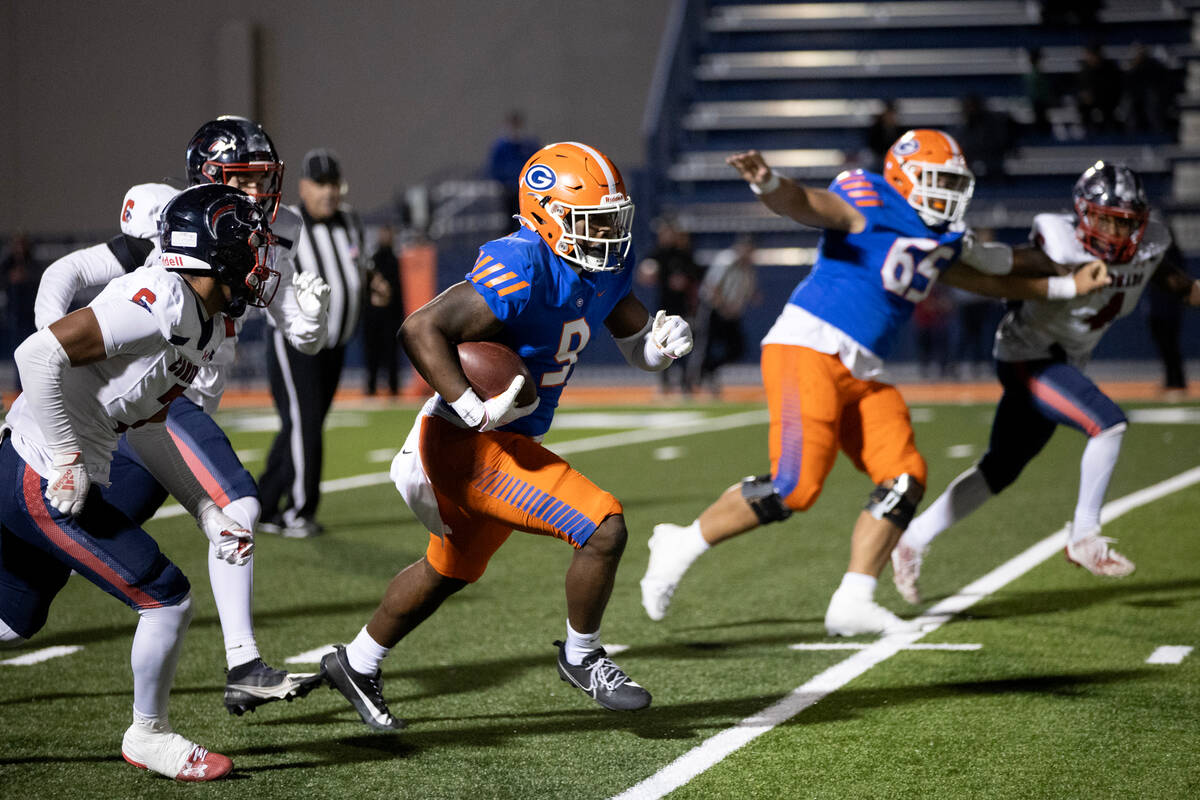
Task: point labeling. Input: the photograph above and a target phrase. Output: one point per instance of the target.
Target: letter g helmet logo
(540, 178)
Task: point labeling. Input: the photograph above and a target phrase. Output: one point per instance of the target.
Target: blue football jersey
(550, 312)
(866, 284)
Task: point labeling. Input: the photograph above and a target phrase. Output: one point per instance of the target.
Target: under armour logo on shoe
(194, 770)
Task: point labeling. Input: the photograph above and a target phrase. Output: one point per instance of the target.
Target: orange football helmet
(927, 167)
(574, 198)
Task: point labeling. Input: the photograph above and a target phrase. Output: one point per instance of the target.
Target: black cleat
(602, 680)
(250, 685)
(365, 692)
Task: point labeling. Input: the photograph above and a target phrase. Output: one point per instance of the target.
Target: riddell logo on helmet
(171, 260)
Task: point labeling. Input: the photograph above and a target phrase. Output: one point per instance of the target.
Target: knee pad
(763, 498)
(897, 503)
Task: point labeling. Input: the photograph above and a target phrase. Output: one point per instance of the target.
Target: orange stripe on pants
(817, 407)
(489, 484)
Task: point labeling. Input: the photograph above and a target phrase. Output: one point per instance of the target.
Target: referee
(330, 245)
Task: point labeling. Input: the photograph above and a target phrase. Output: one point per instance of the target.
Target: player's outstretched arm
(817, 208)
(1086, 279)
(430, 336)
(650, 344)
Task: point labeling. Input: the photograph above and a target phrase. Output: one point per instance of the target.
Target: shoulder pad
(1155, 241)
(287, 227)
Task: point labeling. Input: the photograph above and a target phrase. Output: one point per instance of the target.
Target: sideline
(712, 750)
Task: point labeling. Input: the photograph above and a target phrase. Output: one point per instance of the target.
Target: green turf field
(1057, 701)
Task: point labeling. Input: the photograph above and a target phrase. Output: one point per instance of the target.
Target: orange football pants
(817, 407)
(489, 484)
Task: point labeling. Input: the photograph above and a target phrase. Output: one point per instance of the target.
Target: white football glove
(234, 543)
(312, 294)
(495, 412)
(67, 486)
(671, 335)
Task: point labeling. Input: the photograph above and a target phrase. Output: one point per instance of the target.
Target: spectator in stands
(383, 314)
(671, 267)
(1070, 14)
(987, 136)
(1039, 90)
(511, 149)
(1099, 90)
(884, 131)
(20, 272)
(1164, 315)
(1149, 93)
(730, 285)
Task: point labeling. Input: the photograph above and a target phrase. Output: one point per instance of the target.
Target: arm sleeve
(62, 280)
(158, 451)
(990, 258)
(41, 361)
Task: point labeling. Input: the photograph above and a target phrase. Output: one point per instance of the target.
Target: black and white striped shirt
(333, 248)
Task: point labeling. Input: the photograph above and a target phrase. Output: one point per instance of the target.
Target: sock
(965, 494)
(1095, 470)
(155, 654)
(857, 584)
(365, 654)
(579, 645)
(233, 592)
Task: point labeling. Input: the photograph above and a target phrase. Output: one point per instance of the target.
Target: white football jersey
(157, 337)
(1030, 331)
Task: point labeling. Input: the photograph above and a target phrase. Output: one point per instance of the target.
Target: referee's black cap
(321, 165)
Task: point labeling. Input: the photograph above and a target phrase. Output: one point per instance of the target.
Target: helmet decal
(907, 148)
(540, 178)
(221, 145)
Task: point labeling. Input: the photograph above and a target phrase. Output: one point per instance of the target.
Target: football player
(1041, 350)
(237, 152)
(473, 469)
(114, 366)
(887, 239)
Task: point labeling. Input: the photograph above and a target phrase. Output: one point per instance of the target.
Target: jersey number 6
(908, 258)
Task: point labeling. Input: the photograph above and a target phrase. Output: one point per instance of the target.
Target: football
(490, 367)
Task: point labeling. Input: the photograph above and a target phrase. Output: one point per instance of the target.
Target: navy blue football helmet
(238, 150)
(214, 229)
(1111, 211)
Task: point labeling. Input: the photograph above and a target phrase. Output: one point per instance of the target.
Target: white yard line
(864, 646)
(45, 654)
(684, 428)
(713, 750)
(1169, 654)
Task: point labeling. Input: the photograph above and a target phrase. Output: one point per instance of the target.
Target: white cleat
(906, 569)
(665, 569)
(1092, 552)
(849, 615)
(167, 753)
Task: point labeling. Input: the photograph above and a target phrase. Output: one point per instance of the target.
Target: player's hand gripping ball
(490, 368)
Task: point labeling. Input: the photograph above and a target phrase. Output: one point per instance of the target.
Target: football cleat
(906, 569)
(250, 685)
(856, 615)
(602, 680)
(668, 563)
(161, 750)
(365, 692)
(1092, 552)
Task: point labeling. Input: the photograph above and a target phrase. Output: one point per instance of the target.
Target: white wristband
(766, 187)
(1060, 287)
(469, 408)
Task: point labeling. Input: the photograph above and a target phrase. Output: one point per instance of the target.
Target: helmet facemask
(940, 192)
(1117, 246)
(248, 271)
(597, 238)
(268, 175)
